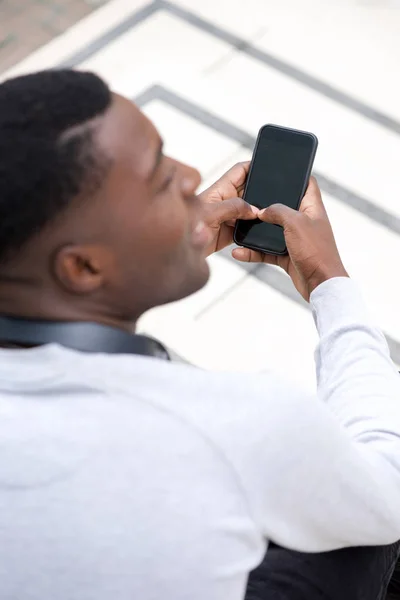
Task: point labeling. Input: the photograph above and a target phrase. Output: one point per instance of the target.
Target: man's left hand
(223, 205)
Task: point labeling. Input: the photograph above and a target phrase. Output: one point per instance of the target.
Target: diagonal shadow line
(363, 205)
(240, 44)
(112, 34)
(271, 276)
(283, 67)
(281, 283)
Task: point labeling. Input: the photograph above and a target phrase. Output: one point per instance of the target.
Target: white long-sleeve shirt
(127, 477)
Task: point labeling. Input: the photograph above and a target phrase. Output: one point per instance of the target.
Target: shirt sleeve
(320, 473)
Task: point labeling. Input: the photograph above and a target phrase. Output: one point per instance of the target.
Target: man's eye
(168, 180)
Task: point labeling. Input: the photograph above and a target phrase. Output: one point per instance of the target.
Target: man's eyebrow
(157, 160)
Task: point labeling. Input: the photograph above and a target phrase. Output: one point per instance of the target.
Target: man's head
(95, 222)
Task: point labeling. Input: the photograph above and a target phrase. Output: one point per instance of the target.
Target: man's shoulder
(128, 373)
(186, 388)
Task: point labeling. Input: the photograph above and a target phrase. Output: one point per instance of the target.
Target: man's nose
(191, 180)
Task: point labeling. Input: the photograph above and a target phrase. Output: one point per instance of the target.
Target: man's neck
(49, 308)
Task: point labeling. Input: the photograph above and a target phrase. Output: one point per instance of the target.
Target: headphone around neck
(82, 336)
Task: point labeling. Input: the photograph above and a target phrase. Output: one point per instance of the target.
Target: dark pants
(350, 574)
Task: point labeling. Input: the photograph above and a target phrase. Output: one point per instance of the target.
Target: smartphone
(279, 173)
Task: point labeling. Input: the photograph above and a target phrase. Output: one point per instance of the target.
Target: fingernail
(254, 209)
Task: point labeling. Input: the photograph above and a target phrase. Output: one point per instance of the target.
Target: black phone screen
(279, 173)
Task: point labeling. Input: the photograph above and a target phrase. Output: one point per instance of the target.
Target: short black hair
(42, 168)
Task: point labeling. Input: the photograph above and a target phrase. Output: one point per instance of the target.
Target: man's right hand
(312, 256)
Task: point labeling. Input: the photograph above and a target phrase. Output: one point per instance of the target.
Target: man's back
(100, 492)
(136, 477)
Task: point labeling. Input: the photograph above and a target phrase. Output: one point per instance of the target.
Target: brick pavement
(25, 25)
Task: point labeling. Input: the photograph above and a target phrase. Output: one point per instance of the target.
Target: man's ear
(80, 269)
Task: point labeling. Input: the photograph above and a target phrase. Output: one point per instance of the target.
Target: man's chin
(204, 275)
(197, 278)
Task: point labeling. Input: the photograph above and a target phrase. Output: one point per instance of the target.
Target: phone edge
(307, 181)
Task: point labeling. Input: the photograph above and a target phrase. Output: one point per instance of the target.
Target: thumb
(231, 209)
(278, 214)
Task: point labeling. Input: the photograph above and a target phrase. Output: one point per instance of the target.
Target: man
(132, 477)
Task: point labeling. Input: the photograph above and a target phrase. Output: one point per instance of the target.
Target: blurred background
(210, 73)
(25, 25)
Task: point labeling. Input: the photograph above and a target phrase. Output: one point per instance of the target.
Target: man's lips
(201, 234)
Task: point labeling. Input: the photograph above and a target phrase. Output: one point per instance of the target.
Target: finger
(312, 203)
(252, 256)
(232, 209)
(236, 175)
(278, 214)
